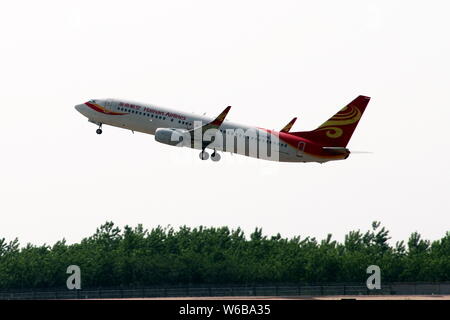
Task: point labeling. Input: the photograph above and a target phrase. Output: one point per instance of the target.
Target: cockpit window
(92, 101)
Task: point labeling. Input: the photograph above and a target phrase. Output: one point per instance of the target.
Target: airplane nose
(79, 107)
(82, 108)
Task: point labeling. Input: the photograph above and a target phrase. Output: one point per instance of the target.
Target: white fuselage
(148, 118)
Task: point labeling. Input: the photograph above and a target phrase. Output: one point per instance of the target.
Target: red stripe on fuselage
(103, 110)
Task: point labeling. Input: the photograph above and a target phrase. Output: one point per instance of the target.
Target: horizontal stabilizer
(337, 150)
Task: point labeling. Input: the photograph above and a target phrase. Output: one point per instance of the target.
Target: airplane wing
(215, 124)
(289, 125)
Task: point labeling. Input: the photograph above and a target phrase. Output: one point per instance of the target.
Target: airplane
(176, 128)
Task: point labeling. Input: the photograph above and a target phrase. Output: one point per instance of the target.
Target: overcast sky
(271, 61)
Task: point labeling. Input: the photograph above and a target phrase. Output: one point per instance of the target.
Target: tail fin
(338, 130)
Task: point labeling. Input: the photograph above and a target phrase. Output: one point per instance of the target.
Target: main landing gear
(99, 130)
(204, 155)
(215, 156)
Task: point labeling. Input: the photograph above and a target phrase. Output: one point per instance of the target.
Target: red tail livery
(337, 131)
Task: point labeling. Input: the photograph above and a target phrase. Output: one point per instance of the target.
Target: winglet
(218, 121)
(289, 125)
(215, 124)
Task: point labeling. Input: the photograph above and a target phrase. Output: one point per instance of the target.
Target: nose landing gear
(99, 130)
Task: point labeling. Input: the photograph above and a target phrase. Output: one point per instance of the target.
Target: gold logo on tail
(347, 115)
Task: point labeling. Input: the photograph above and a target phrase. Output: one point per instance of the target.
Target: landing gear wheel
(99, 130)
(215, 156)
(204, 155)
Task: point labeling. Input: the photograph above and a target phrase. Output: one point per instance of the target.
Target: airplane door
(301, 149)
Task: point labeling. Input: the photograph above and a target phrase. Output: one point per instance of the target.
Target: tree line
(208, 255)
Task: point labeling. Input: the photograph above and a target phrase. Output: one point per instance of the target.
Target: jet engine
(172, 137)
